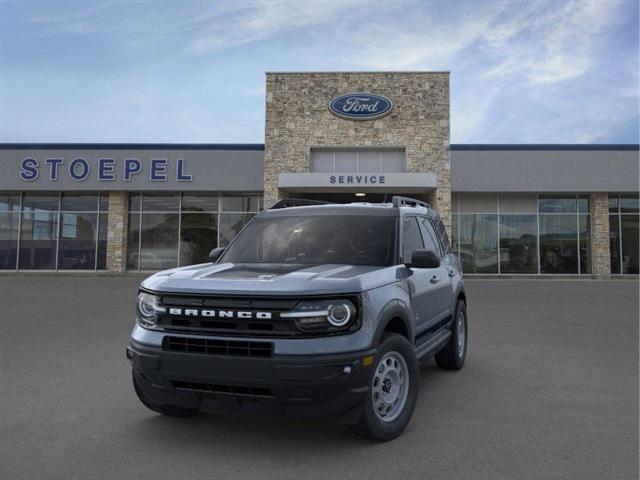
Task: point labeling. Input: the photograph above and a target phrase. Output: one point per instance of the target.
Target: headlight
(148, 309)
(323, 315)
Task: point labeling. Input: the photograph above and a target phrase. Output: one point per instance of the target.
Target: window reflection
(518, 244)
(558, 244)
(78, 235)
(9, 222)
(478, 240)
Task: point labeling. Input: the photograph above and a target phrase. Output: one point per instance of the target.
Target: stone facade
(600, 248)
(117, 231)
(298, 119)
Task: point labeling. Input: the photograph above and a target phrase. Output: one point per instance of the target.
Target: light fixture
(361, 194)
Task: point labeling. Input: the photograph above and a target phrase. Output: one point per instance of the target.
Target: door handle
(435, 279)
(452, 272)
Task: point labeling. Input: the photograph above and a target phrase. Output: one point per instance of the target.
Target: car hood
(271, 279)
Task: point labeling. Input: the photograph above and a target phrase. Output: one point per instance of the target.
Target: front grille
(228, 389)
(266, 327)
(208, 346)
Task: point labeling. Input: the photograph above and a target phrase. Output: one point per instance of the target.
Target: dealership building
(334, 136)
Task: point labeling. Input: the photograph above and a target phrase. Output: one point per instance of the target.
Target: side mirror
(424, 259)
(215, 254)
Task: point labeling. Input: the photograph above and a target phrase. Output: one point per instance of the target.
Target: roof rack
(408, 202)
(297, 202)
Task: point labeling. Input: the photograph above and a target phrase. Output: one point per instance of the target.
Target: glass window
(133, 242)
(40, 201)
(230, 226)
(38, 239)
(9, 202)
(103, 229)
(585, 243)
(518, 244)
(630, 245)
(454, 233)
(159, 202)
(557, 204)
(198, 236)
(346, 161)
(77, 248)
(614, 242)
(478, 236)
(79, 202)
(583, 204)
(200, 202)
(322, 161)
(429, 236)
(613, 203)
(629, 203)
(392, 160)
(411, 238)
(104, 202)
(159, 241)
(364, 240)
(368, 161)
(135, 202)
(444, 238)
(558, 244)
(239, 203)
(9, 222)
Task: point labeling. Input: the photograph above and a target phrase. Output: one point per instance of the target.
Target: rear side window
(430, 237)
(442, 233)
(411, 238)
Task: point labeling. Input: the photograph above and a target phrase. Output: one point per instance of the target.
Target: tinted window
(411, 238)
(315, 240)
(442, 232)
(430, 238)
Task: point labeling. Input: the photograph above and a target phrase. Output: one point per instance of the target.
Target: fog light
(129, 354)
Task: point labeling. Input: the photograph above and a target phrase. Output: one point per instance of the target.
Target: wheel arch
(395, 317)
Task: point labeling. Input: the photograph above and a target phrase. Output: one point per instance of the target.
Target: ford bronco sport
(312, 310)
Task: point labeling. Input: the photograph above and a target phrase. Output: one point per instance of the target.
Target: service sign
(360, 106)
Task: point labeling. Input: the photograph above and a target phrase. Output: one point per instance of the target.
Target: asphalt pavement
(549, 391)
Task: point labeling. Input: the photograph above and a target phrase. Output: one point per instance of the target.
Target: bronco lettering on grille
(241, 314)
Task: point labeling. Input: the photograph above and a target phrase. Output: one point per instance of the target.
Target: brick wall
(298, 119)
(117, 231)
(600, 249)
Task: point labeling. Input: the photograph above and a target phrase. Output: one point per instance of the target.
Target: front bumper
(292, 385)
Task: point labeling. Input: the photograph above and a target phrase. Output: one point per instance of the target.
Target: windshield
(316, 240)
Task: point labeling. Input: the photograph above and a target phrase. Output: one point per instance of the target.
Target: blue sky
(521, 72)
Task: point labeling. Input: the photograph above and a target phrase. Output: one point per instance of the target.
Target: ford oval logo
(360, 106)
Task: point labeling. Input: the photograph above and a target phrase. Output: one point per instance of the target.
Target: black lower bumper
(322, 385)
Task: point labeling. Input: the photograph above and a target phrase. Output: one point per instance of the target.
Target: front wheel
(393, 390)
(452, 356)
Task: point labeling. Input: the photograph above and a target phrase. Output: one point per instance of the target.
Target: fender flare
(394, 309)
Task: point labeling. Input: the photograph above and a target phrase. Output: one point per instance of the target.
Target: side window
(411, 238)
(430, 238)
(442, 232)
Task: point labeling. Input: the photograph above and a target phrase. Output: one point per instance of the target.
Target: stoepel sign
(360, 106)
(106, 169)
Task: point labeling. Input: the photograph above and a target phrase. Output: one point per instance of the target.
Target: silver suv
(312, 310)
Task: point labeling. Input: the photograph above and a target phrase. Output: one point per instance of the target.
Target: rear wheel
(393, 390)
(452, 356)
(169, 410)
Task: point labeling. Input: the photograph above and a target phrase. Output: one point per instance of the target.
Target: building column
(117, 231)
(600, 250)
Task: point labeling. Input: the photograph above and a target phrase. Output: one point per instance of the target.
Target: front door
(428, 286)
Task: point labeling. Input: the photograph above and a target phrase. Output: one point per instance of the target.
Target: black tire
(451, 357)
(169, 410)
(370, 424)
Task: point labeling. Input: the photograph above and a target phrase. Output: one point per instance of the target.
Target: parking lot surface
(549, 391)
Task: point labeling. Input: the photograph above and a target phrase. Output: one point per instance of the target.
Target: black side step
(430, 347)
